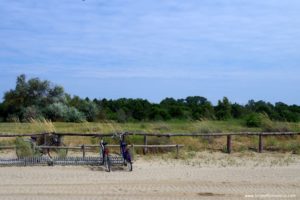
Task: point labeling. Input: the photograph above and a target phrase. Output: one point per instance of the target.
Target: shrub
(73, 115)
(31, 113)
(56, 111)
(89, 109)
(296, 149)
(23, 148)
(255, 119)
(61, 112)
(270, 126)
(267, 125)
(264, 122)
(13, 118)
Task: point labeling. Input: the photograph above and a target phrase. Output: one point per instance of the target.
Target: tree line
(41, 99)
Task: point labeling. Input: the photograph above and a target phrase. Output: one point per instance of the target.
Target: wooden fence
(145, 146)
(84, 147)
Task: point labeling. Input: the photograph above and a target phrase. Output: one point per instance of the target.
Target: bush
(61, 112)
(13, 118)
(23, 148)
(255, 119)
(73, 115)
(295, 148)
(31, 113)
(264, 122)
(56, 111)
(270, 126)
(89, 109)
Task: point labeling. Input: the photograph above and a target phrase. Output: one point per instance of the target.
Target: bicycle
(106, 162)
(49, 140)
(124, 151)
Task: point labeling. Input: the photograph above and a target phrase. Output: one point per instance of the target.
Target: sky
(154, 49)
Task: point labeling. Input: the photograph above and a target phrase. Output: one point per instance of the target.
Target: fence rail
(84, 147)
(141, 145)
(260, 135)
(149, 134)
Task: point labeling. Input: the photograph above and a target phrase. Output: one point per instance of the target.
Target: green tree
(121, 116)
(238, 111)
(158, 113)
(89, 109)
(223, 109)
(287, 113)
(176, 109)
(1, 112)
(33, 92)
(200, 107)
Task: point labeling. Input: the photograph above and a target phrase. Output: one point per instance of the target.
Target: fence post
(177, 151)
(83, 150)
(260, 143)
(229, 144)
(145, 143)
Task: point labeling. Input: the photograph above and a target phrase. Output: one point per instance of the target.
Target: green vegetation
(23, 148)
(174, 126)
(36, 106)
(38, 99)
(148, 127)
(192, 144)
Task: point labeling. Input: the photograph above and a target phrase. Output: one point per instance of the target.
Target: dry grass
(147, 127)
(240, 143)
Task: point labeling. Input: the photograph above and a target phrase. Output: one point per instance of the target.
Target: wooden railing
(145, 146)
(84, 147)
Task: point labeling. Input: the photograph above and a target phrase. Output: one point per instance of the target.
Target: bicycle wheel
(128, 166)
(107, 164)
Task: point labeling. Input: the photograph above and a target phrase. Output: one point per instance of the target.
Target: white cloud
(215, 74)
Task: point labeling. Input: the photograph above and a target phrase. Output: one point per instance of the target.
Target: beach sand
(205, 176)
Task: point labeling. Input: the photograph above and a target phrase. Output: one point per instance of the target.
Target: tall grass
(37, 126)
(240, 143)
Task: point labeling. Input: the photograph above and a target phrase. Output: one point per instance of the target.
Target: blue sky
(155, 48)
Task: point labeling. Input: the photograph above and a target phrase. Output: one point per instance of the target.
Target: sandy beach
(206, 176)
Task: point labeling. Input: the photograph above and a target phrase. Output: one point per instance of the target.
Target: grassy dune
(148, 127)
(281, 143)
